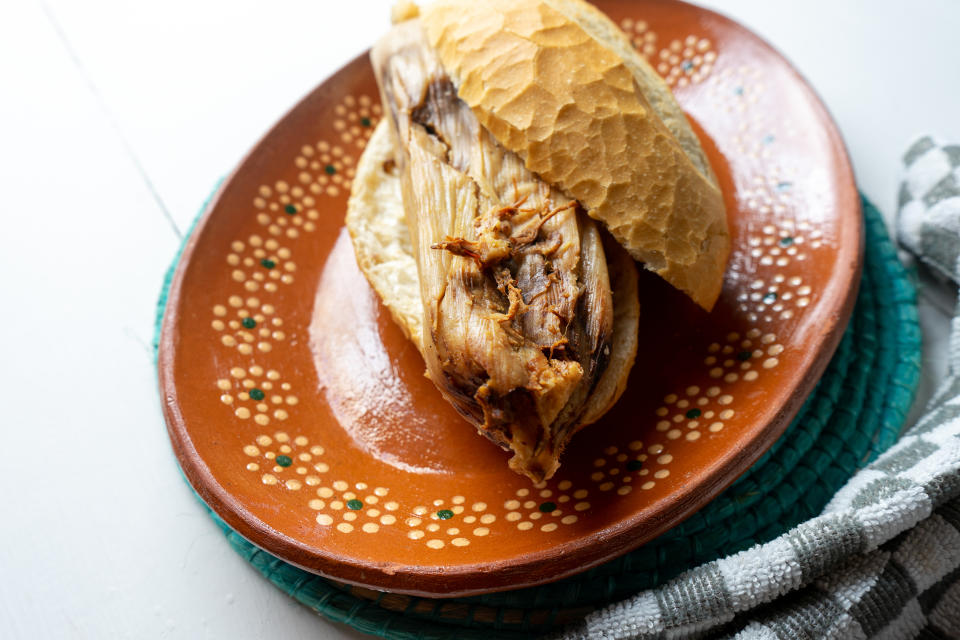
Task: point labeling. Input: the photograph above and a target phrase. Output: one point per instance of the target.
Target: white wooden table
(116, 119)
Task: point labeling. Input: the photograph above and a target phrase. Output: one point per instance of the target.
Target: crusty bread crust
(381, 242)
(556, 82)
(381, 238)
(654, 89)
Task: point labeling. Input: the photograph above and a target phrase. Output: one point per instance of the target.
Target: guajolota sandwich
(527, 158)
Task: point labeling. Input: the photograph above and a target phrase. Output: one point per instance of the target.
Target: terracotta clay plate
(301, 415)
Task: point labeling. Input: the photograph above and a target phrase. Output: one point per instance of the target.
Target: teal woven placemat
(855, 413)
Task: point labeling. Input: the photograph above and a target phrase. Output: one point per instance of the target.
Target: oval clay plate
(301, 415)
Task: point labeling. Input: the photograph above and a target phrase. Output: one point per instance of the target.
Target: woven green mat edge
(827, 442)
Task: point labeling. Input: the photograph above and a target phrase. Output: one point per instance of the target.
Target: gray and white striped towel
(883, 559)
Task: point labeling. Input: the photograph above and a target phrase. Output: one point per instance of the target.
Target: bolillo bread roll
(518, 134)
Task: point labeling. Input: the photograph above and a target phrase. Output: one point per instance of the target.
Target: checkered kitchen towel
(883, 560)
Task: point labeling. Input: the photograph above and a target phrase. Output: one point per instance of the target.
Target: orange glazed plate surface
(301, 415)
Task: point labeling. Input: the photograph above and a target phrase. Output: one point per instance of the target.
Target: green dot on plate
(770, 298)
(365, 122)
(354, 504)
(786, 241)
(256, 394)
(269, 264)
(249, 323)
(290, 209)
(284, 461)
(330, 169)
(693, 413)
(547, 507)
(744, 355)
(444, 514)
(634, 465)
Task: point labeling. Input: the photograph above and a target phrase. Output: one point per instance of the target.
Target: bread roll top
(557, 82)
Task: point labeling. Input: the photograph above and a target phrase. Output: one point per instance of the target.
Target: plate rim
(535, 569)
